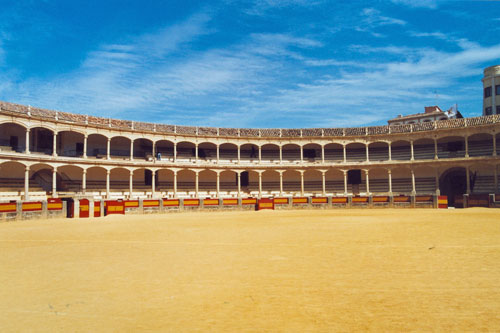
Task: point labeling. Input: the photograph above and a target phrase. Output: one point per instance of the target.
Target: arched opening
(291, 182)
(291, 153)
(41, 140)
(253, 183)
(312, 152)
(96, 180)
(270, 153)
(119, 180)
(228, 153)
(249, 153)
(378, 151)
(186, 186)
(165, 183)
(12, 177)
(164, 150)
(400, 151)
(401, 181)
(423, 149)
(143, 148)
(335, 181)
(313, 182)
(482, 178)
(120, 147)
(451, 147)
(143, 181)
(378, 180)
(69, 179)
(207, 151)
(207, 183)
(186, 151)
(228, 183)
(334, 152)
(69, 144)
(97, 146)
(480, 144)
(41, 178)
(425, 180)
(270, 183)
(453, 184)
(12, 138)
(356, 152)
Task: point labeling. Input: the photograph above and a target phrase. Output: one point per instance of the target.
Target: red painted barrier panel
(54, 204)
(265, 204)
(8, 207)
(171, 202)
(339, 200)
(131, 203)
(442, 201)
(84, 208)
(32, 206)
(359, 199)
(191, 202)
(319, 200)
(150, 203)
(232, 202)
(97, 209)
(380, 199)
(280, 201)
(247, 201)
(114, 207)
(299, 201)
(210, 202)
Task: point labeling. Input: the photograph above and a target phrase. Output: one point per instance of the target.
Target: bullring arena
(316, 256)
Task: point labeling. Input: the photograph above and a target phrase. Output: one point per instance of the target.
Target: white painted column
(131, 183)
(85, 138)
(239, 184)
(494, 145)
(390, 151)
(153, 183)
(238, 154)
(27, 183)
(54, 183)
(218, 182)
(466, 146)
(413, 191)
(367, 181)
(467, 178)
(436, 180)
(153, 151)
(27, 148)
(281, 182)
(175, 153)
(260, 154)
(411, 147)
(301, 182)
(281, 154)
(175, 183)
(196, 180)
(108, 149)
(218, 154)
(368, 153)
(323, 177)
(345, 153)
(322, 154)
(196, 153)
(345, 181)
(84, 181)
(389, 175)
(435, 149)
(301, 153)
(131, 150)
(54, 145)
(107, 183)
(260, 184)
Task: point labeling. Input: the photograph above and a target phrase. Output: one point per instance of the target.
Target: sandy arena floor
(336, 270)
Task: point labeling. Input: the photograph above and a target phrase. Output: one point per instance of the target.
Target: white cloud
(372, 18)
(432, 4)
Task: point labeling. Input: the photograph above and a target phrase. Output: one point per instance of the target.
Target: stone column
(153, 151)
(175, 183)
(494, 145)
(466, 146)
(345, 153)
(108, 149)
(367, 152)
(467, 178)
(260, 184)
(367, 182)
(260, 154)
(218, 154)
(153, 184)
(281, 154)
(27, 148)
(323, 178)
(131, 150)
(239, 183)
(54, 183)
(345, 181)
(27, 183)
(390, 151)
(108, 172)
(54, 145)
(281, 182)
(411, 148)
(218, 182)
(196, 180)
(389, 175)
(238, 154)
(175, 153)
(436, 180)
(301, 182)
(131, 183)
(84, 181)
(301, 153)
(322, 154)
(413, 191)
(85, 138)
(435, 149)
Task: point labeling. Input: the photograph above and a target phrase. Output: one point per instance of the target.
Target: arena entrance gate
(453, 184)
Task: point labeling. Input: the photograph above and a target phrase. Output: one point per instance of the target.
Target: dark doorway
(148, 177)
(453, 183)
(244, 178)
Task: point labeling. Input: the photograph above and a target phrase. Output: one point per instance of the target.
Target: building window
(487, 111)
(497, 88)
(487, 92)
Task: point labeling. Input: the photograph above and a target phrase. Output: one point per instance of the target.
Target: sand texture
(269, 271)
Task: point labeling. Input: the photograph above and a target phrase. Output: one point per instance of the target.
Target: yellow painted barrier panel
(232, 201)
(171, 203)
(319, 200)
(150, 203)
(32, 206)
(299, 200)
(8, 207)
(191, 202)
(84, 208)
(280, 201)
(133, 203)
(54, 206)
(339, 200)
(380, 199)
(249, 201)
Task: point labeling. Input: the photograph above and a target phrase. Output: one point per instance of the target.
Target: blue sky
(261, 63)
